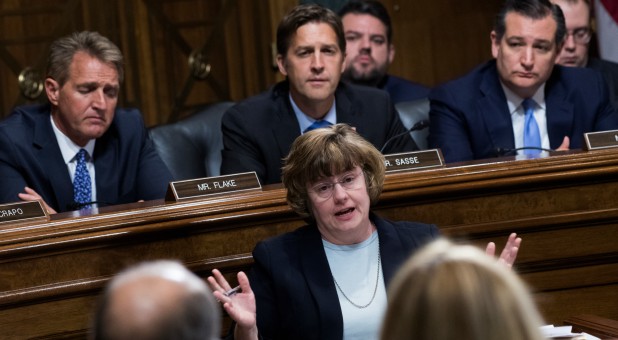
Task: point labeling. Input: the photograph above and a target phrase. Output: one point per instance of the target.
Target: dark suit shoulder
(127, 123)
(359, 92)
(403, 90)
(293, 237)
(460, 89)
(260, 107)
(23, 123)
(574, 77)
(27, 114)
(603, 65)
(409, 230)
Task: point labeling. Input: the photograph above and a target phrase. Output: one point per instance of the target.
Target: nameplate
(23, 212)
(416, 160)
(601, 140)
(208, 186)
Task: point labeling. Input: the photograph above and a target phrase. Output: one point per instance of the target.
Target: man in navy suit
(370, 50)
(39, 144)
(481, 115)
(258, 132)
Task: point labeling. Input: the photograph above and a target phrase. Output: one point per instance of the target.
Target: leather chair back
(191, 148)
(412, 112)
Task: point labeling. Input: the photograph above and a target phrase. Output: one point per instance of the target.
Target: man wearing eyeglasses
(575, 49)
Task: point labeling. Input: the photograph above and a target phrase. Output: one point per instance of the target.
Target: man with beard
(368, 34)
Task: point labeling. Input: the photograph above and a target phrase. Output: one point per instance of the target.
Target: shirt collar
(67, 147)
(305, 121)
(514, 101)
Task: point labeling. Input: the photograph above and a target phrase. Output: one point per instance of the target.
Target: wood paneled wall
(435, 41)
(438, 40)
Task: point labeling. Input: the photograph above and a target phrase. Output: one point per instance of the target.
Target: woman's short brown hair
(328, 152)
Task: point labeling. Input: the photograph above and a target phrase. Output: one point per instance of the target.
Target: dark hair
(64, 49)
(302, 15)
(534, 9)
(371, 7)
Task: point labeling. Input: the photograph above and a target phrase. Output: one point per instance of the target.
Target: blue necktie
(82, 189)
(317, 124)
(532, 135)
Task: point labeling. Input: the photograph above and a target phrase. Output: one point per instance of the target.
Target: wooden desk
(600, 327)
(564, 206)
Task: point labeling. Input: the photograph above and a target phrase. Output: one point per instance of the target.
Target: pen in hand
(232, 291)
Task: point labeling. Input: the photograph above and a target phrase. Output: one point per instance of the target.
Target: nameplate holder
(20, 212)
(417, 160)
(209, 186)
(601, 140)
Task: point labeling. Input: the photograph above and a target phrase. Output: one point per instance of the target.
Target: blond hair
(449, 291)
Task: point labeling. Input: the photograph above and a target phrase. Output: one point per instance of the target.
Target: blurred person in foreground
(457, 292)
(370, 50)
(157, 300)
(80, 150)
(327, 280)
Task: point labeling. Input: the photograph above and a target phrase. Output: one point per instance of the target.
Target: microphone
(76, 206)
(507, 151)
(421, 124)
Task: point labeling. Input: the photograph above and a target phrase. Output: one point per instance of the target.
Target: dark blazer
(258, 132)
(470, 118)
(292, 282)
(127, 168)
(403, 90)
(609, 70)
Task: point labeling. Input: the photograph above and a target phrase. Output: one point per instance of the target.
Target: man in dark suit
(483, 114)
(370, 50)
(79, 149)
(258, 132)
(575, 49)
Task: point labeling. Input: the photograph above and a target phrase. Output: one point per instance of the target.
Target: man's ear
(281, 65)
(495, 44)
(391, 53)
(559, 47)
(52, 89)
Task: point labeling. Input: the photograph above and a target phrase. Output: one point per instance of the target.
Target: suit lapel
(285, 127)
(393, 254)
(106, 155)
(559, 113)
(346, 112)
(50, 159)
(319, 280)
(495, 112)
